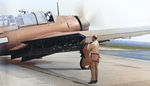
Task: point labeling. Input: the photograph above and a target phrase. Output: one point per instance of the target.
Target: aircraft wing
(71, 41)
(108, 34)
(38, 48)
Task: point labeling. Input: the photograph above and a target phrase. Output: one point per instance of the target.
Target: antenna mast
(57, 8)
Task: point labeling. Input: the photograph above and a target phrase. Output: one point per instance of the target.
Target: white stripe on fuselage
(3, 40)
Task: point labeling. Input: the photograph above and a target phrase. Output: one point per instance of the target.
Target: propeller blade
(91, 13)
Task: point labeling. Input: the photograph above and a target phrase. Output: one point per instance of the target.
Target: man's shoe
(91, 82)
(95, 81)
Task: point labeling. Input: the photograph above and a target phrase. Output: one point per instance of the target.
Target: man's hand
(89, 42)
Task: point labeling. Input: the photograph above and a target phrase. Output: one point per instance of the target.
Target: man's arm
(90, 46)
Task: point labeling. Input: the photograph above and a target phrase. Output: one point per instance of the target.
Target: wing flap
(46, 46)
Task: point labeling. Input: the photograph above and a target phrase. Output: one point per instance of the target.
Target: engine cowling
(84, 24)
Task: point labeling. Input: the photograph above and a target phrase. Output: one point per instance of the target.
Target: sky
(102, 14)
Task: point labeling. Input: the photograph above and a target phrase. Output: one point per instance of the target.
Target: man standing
(93, 48)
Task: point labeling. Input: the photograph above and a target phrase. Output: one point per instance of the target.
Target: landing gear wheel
(83, 67)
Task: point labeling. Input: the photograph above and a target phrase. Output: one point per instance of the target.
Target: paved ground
(63, 70)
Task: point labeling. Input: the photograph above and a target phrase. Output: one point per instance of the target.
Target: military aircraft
(37, 34)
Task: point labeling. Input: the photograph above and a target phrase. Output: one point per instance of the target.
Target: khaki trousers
(94, 67)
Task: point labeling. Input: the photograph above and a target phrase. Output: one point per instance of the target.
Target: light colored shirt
(93, 47)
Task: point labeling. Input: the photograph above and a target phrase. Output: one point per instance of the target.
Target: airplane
(37, 34)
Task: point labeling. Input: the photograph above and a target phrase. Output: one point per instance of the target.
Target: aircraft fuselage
(29, 32)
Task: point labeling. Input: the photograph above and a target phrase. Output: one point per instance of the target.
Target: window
(25, 20)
